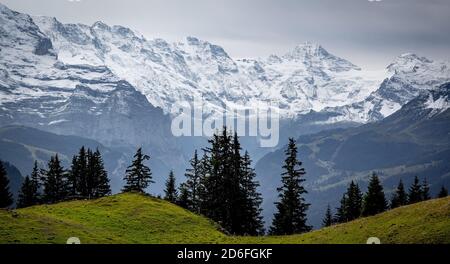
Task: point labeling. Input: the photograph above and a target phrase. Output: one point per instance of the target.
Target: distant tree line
(354, 204)
(86, 179)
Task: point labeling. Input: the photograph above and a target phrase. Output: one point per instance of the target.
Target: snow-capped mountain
(39, 90)
(410, 75)
(306, 78)
(43, 58)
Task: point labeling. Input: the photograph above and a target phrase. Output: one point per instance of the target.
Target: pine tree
(204, 188)
(400, 197)
(415, 192)
(443, 193)
(354, 202)
(100, 179)
(342, 210)
(171, 193)
(28, 194)
(183, 198)
(374, 200)
(73, 178)
(252, 220)
(55, 181)
(193, 175)
(214, 202)
(36, 181)
(138, 175)
(6, 198)
(290, 217)
(78, 176)
(328, 219)
(425, 190)
(238, 201)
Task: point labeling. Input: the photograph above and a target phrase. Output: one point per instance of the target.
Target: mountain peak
(408, 62)
(100, 25)
(307, 49)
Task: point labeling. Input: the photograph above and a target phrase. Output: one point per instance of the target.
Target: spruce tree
(204, 188)
(192, 185)
(290, 217)
(415, 192)
(252, 220)
(342, 210)
(100, 179)
(138, 176)
(183, 198)
(443, 192)
(55, 181)
(171, 193)
(36, 181)
(73, 178)
(374, 200)
(400, 197)
(6, 198)
(328, 219)
(28, 194)
(214, 200)
(425, 190)
(78, 179)
(354, 202)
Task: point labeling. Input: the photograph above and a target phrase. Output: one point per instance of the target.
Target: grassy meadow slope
(134, 218)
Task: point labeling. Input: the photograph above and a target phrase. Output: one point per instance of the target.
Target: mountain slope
(133, 218)
(413, 141)
(38, 90)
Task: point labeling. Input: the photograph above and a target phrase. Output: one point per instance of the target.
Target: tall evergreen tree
(252, 220)
(205, 184)
(138, 176)
(342, 211)
(183, 197)
(214, 202)
(238, 204)
(171, 193)
(28, 195)
(36, 181)
(192, 185)
(415, 192)
(290, 217)
(400, 197)
(425, 190)
(78, 176)
(328, 219)
(374, 200)
(6, 198)
(443, 192)
(55, 181)
(354, 202)
(226, 187)
(99, 175)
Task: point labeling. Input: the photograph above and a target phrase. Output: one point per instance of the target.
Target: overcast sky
(369, 33)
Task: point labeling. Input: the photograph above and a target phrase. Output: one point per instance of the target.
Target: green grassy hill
(133, 218)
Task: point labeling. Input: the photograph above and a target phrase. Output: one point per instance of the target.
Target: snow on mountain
(39, 90)
(410, 75)
(433, 102)
(308, 77)
(303, 79)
